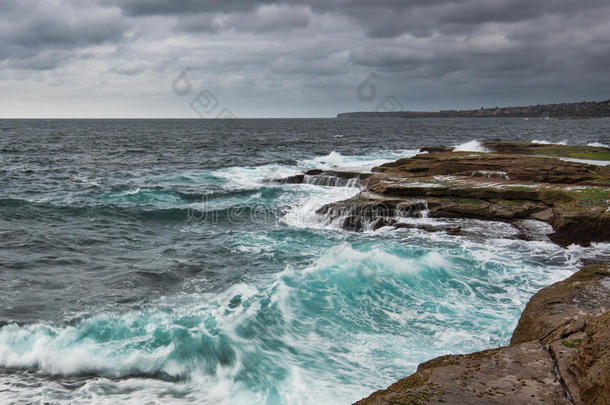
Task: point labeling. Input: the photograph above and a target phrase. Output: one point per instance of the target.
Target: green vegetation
(551, 150)
(604, 180)
(573, 343)
(576, 152)
(398, 162)
(595, 196)
(463, 201)
(520, 188)
(579, 198)
(556, 196)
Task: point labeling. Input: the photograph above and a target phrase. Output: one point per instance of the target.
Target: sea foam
(545, 142)
(598, 145)
(356, 309)
(471, 146)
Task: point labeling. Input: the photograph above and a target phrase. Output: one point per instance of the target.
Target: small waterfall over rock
(415, 209)
(331, 181)
(325, 178)
(374, 215)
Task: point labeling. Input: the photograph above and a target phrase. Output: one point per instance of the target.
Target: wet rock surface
(559, 354)
(523, 148)
(330, 178)
(572, 197)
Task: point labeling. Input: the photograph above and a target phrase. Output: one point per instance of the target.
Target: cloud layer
(264, 58)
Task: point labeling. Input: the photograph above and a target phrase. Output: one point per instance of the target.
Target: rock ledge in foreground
(559, 354)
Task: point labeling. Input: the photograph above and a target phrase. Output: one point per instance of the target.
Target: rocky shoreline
(560, 351)
(559, 354)
(510, 182)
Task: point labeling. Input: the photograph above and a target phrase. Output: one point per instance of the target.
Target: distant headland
(585, 109)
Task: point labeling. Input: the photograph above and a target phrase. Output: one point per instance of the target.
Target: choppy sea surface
(149, 261)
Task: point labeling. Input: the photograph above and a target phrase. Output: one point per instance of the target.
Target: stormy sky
(189, 58)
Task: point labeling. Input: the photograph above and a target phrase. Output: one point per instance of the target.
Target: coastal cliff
(591, 109)
(559, 354)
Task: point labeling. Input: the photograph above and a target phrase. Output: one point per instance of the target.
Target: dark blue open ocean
(149, 261)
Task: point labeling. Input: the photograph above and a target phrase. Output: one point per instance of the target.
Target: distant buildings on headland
(585, 109)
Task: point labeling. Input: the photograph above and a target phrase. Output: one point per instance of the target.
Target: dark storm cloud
(492, 37)
(164, 7)
(42, 35)
(267, 18)
(424, 17)
(56, 30)
(418, 47)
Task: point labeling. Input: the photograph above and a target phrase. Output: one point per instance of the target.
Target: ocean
(152, 261)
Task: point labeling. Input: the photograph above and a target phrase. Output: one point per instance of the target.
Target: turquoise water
(364, 313)
(191, 282)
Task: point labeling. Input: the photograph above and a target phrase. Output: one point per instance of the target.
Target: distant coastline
(585, 109)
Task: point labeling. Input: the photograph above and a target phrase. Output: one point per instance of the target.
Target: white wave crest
(337, 161)
(545, 142)
(598, 145)
(471, 146)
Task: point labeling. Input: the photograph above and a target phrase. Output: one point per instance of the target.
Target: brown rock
(574, 198)
(573, 317)
(434, 149)
(559, 354)
(510, 184)
(562, 308)
(493, 165)
(519, 374)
